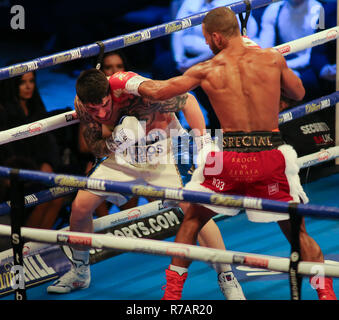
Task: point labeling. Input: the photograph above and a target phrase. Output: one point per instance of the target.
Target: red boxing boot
(324, 287)
(174, 286)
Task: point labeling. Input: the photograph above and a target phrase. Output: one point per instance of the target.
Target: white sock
(179, 270)
(221, 267)
(80, 257)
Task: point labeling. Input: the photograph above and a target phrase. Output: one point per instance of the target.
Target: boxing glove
(202, 141)
(125, 134)
(124, 83)
(250, 43)
(203, 147)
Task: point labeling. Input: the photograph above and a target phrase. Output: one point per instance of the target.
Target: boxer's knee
(84, 205)
(196, 217)
(80, 210)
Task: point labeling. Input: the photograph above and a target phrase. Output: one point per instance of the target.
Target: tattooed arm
(174, 104)
(186, 103)
(92, 131)
(189, 106)
(194, 116)
(145, 109)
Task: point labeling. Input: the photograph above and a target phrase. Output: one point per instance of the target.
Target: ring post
(294, 277)
(17, 218)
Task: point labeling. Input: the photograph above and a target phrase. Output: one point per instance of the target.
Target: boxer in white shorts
(135, 137)
(153, 160)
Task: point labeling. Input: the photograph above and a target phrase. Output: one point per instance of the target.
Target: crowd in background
(65, 150)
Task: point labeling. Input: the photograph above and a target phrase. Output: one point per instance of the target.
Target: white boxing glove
(125, 134)
(204, 145)
(202, 141)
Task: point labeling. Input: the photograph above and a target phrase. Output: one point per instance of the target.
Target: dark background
(53, 26)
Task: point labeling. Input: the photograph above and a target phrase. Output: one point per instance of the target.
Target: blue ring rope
(309, 107)
(292, 114)
(139, 188)
(37, 198)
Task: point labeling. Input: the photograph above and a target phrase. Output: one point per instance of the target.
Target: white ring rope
(157, 247)
(68, 118)
(165, 248)
(38, 127)
(100, 224)
(313, 40)
(321, 156)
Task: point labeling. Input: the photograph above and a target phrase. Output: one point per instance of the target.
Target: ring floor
(132, 276)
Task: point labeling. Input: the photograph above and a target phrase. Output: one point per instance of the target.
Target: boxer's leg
(79, 276)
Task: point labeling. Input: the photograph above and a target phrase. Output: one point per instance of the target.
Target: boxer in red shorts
(253, 164)
(244, 84)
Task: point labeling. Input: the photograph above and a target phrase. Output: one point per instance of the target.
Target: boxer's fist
(204, 145)
(124, 83)
(249, 43)
(202, 141)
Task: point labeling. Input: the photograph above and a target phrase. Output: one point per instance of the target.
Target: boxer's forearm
(91, 131)
(162, 89)
(194, 116)
(95, 141)
(159, 90)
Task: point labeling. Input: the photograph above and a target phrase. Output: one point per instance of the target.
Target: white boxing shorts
(156, 163)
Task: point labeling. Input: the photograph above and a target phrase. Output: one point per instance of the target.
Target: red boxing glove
(250, 43)
(117, 83)
(124, 83)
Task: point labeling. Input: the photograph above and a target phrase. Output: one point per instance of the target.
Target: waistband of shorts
(254, 141)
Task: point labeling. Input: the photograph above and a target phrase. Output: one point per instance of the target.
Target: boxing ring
(266, 262)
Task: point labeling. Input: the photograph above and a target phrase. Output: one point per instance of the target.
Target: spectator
(289, 20)
(5, 242)
(22, 104)
(189, 46)
(296, 132)
(323, 57)
(113, 62)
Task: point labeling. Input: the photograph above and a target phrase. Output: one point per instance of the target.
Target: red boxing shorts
(256, 164)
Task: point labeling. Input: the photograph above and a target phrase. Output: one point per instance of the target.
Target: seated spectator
(323, 57)
(5, 242)
(189, 46)
(22, 104)
(289, 20)
(297, 132)
(113, 62)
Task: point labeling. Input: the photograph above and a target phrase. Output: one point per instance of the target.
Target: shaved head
(222, 20)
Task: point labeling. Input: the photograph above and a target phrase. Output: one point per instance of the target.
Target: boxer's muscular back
(244, 89)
